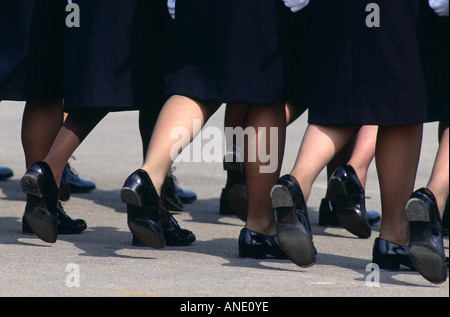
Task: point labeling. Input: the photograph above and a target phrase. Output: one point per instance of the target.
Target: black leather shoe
(66, 225)
(186, 196)
(350, 201)
(77, 185)
(171, 199)
(373, 217)
(42, 201)
(258, 246)
(234, 198)
(234, 201)
(293, 227)
(390, 256)
(137, 243)
(426, 244)
(327, 214)
(175, 235)
(64, 188)
(143, 209)
(5, 172)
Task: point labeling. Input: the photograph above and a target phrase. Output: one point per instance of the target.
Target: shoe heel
(232, 162)
(281, 197)
(130, 197)
(30, 185)
(233, 202)
(41, 222)
(224, 208)
(417, 211)
(337, 187)
(26, 229)
(282, 203)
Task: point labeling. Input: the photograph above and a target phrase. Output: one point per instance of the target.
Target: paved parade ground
(102, 262)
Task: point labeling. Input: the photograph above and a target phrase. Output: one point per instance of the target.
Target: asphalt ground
(101, 262)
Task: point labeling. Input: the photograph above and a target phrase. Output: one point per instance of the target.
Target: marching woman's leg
(42, 119)
(175, 128)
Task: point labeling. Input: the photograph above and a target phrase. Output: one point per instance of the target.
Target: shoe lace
(61, 210)
(72, 170)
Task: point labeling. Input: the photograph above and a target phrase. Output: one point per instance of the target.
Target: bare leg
(358, 153)
(179, 112)
(364, 151)
(259, 183)
(235, 192)
(397, 157)
(319, 145)
(439, 181)
(56, 150)
(40, 124)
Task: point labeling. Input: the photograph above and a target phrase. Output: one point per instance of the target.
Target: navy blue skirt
(116, 59)
(32, 44)
(229, 51)
(434, 43)
(362, 75)
(15, 20)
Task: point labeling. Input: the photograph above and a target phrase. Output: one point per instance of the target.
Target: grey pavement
(108, 265)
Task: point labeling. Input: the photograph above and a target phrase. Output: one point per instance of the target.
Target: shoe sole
(146, 233)
(293, 239)
(38, 217)
(143, 229)
(430, 264)
(41, 223)
(296, 244)
(347, 216)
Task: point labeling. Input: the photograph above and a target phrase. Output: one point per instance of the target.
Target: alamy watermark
(73, 278)
(373, 278)
(213, 150)
(255, 144)
(373, 19)
(73, 18)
